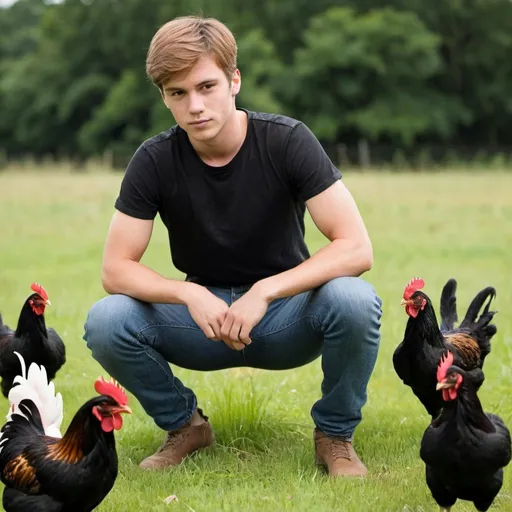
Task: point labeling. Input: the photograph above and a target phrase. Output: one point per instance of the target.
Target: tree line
(402, 74)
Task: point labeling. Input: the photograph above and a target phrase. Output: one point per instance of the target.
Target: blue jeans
(134, 341)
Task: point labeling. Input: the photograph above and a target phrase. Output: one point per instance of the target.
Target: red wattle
(411, 311)
(112, 422)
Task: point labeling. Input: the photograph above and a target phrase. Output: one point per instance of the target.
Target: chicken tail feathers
(477, 324)
(29, 410)
(449, 306)
(4, 329)
(34, 386)
(25, 422)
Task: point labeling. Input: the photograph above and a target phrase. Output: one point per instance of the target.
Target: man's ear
(236, 82)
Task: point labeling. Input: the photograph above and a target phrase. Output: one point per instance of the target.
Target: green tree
(475, 45)
(260, 68)
(370, 73)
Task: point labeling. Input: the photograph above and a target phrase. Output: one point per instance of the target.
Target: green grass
(53, 227)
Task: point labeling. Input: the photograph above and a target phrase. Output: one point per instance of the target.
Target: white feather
(35, 386)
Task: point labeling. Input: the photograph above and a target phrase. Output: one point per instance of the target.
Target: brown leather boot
(338, 455)
(180, 443)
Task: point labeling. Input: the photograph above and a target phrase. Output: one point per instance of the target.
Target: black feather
(16, 501)
(448, 307)
(479, 325)
(5, 330)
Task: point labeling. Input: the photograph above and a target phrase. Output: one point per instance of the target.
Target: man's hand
(207, 310)
(242, 316)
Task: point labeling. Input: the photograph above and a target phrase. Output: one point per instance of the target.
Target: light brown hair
(179, 43)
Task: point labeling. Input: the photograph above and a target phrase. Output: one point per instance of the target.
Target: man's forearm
(338, 259)
(140, 282)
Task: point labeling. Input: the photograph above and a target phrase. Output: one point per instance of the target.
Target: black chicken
(464, 449)
(32, 340)
(415, 359)
(73, 473)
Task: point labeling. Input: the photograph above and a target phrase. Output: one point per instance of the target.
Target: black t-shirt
(235, 224)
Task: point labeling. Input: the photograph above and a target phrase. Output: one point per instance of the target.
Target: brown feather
(467, 347)
(66, 450)
(20, 472)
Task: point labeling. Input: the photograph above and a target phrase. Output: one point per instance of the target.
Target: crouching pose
(232, 187)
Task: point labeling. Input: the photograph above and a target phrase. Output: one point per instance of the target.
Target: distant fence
(362, 155)
(420, 156)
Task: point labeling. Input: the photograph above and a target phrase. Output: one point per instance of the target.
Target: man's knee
(106, 320)
(352, 301)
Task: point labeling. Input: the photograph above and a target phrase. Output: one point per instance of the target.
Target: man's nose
(196, 105)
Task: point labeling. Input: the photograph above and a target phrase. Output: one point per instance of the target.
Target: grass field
(52, 229)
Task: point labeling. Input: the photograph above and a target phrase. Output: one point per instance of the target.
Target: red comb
(446, 362)
(415, 284)
(111, 388)
(36, 287)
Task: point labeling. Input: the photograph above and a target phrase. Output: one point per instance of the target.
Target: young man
(232, 186)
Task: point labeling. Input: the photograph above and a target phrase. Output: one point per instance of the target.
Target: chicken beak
(443, 385)
(123, 408)
(47, 302)
(404, 302)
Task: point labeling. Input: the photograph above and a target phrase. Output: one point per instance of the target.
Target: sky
(5, 3)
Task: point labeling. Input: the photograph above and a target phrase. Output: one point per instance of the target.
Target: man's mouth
(201, 122)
